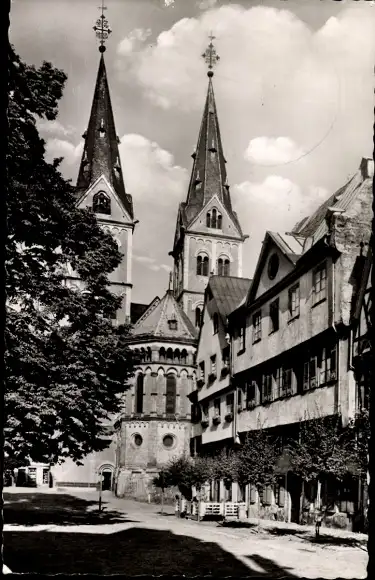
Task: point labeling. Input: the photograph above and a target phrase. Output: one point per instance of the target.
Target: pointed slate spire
(101, 155)
(208, 176)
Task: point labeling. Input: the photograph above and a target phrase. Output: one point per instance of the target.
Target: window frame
(320, 295)
(257, 328)
(274, 314)
(294, 312)
(215, 322)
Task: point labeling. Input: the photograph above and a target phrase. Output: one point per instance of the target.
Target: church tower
(208, 237)
(100, 184)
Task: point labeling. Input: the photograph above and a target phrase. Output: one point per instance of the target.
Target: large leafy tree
(256, 461)
(66, 364)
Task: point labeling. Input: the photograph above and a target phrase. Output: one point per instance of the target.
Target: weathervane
(210, 56)
(102, 28)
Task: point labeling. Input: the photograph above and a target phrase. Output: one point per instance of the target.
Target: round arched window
(168, 441)
(273, 266)
(138, 440)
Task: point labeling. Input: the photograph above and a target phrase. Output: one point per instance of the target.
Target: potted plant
(229, 417)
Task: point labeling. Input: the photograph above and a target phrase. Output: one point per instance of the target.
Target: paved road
(156, 543)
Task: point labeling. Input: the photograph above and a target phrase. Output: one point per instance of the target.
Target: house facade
(291, 338)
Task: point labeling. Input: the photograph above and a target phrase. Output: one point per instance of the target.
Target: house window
(242, 339)
(213, 364)
(217, 408)
(202, 265)
(216, 322)
(274, 316)
(170, 399)
(287, 378)
(172, 324)
(319, 284)
(198, 317)
(328, 371)
(279, 382)
(139, 394)
(101, 203)
(225, 355)
(251, 394)
(267, 389)
(310, 374)
(205, 411)
(239, 398)
(230, 403)
(257, 327)
(293, 299)
(201, 371)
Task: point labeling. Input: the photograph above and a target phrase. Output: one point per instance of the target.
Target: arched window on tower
(139, 393)
(183, 357)
(170, 399)
(223, 267)
(202, 265)
(198, 317)
(143, 355)
(149, 354)
(214, 218)
(101, 203)
(219, 221)
(208, 219)
(162, 354)
(170, 355)
(176, 356)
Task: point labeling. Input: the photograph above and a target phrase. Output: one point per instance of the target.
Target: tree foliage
(66, 364)
(256, 460)
(324, 448)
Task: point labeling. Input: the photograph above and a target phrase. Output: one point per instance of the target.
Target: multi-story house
(213, 417)
(154, 425)
(291, 336)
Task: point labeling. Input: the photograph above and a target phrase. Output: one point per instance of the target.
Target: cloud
(206, 4)
(55, 128)
(274, 204)
(64, 148)
(151, 263)
(272, 150)
(168, 3)
(151, 173)
(133, 41)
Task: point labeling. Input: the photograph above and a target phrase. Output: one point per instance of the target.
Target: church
(154, 420)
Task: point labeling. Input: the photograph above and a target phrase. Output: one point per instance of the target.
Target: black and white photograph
(188, 340)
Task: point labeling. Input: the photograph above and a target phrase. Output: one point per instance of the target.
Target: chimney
(367, 168)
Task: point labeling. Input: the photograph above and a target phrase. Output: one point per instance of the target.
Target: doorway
(295, 491)
(107, 480)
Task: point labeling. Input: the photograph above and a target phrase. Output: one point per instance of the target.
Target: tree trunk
(162, 501)
(301, 502)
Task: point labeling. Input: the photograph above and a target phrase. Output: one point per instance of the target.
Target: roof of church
(315, 226)
(208, 175)
(228, 292)
(157, 321)
(136, 311)
(101, 155)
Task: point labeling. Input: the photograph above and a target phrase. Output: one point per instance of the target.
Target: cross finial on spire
(102, 28)
(210, 56)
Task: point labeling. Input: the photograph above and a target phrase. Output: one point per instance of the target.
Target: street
(50, 532)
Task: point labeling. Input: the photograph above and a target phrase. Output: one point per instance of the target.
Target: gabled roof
(228, 292)
(288, 245)
(315, 226)
(208, 175)
(101, 155)
(154, 323)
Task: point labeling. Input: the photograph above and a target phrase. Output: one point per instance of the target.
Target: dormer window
(101, 203)
(214, 219)
(172, 323)
(102, 128)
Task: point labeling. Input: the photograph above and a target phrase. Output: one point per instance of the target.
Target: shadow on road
(136, 551)
(324, 538)
(31, 509)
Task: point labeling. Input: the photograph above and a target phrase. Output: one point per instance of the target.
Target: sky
(294, 90)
